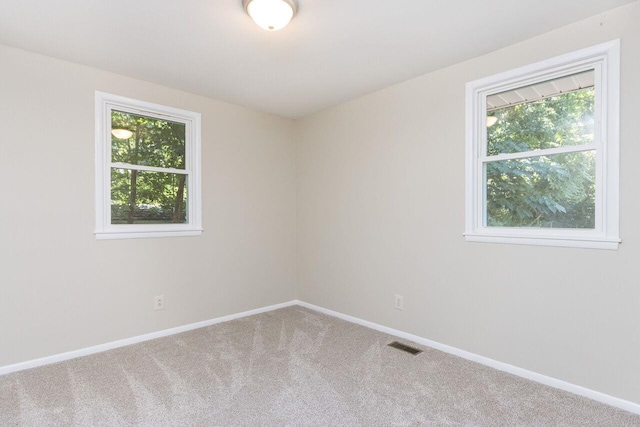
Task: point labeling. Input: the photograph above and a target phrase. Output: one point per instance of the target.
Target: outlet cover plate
(399, 302)
(158, 302)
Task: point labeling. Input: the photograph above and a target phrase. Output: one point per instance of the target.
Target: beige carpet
(290, 367)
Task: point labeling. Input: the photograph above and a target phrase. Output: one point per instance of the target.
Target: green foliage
(148, 196)
(555, 191)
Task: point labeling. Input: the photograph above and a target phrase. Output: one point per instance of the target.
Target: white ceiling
(332, 51)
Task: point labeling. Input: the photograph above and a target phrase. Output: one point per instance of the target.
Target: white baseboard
(133, 340)
(505, 367)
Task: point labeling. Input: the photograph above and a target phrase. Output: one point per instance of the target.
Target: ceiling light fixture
(121, 133)
(491, 120)
(272, 15)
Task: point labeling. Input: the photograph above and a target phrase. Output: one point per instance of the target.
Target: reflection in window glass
(146, 141)
(550, 114)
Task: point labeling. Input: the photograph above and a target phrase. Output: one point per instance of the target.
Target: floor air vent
(408, 349)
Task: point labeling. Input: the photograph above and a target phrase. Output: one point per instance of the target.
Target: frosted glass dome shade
(121, 133)
(272, 15)
(491, 120)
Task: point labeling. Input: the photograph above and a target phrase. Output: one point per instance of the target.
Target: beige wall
(380, 187)
(62, 290)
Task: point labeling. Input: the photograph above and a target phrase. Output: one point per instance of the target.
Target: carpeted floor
(289, 367)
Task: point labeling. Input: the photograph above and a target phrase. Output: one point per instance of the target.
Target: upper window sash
(604, 60)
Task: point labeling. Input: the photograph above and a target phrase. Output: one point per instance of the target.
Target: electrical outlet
(399, 303)
(158, 302)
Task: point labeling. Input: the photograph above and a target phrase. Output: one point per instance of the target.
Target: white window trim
(605, 59)
(104, 102)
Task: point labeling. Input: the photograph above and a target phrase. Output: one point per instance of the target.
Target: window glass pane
(544, 115)
(143, 197)
(545, 192)
(141, 140)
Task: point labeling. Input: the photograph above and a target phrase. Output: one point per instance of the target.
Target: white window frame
(605, 60)
(104, 103)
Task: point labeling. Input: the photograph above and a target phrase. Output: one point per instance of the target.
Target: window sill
(112, 235)
(566, 242)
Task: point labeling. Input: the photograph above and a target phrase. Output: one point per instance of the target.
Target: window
(147, 169)
(542, 152)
